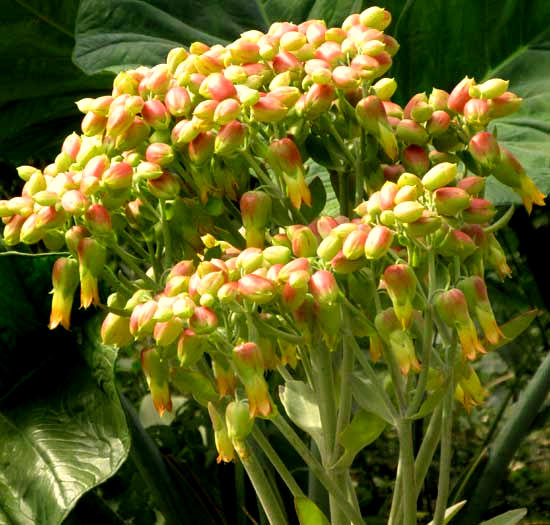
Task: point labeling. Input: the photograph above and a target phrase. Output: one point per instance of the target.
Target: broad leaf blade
(301, 407)
(508, 518)
(309, 513)
(62, 430)
(113, 35)
(39, 83)
(451, 512)
(364, 429)
(514, 328)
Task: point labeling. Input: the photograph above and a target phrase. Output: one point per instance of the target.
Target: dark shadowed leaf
(39, 82)
(62, 429)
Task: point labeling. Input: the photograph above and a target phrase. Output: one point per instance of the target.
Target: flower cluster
(152, 194)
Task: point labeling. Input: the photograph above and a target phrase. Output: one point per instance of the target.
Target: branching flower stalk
(180, 192)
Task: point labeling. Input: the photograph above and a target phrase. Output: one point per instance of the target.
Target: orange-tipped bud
(217, 87)
(438, 123)
(452, 308)
(118, 176)
(400, 283)
(224, 446)
(478, 302)
(92, 257)
(65, 281)
(156, 374)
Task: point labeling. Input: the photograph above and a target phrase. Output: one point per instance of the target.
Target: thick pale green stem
(263, 489)
(446, 441)
(321, 361)
(313, 464)
(406, 460)
(277, 462)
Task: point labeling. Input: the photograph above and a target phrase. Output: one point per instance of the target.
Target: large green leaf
(62, 429)
(113, 35)
(38, 82)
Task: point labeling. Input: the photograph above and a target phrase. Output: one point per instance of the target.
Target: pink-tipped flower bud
(304, 242)
(98, 219)
(217, 87)
(438, 123)
(440, 175)
(456, 243)
(285, 159)
(450, 200)
(256, 289)
(504, 105)
(375, 17)
(330, 246)
(277, 255)
(408, 211)
(325, 224)
(255, 212)
(203, 320)
(178, 102)
(438, 99)
(410, 132)
(155, 114)
(226, 111)
(370, 112)
(476, 112)
(353, 246)
(399, 341)
(159, 153)
(93, 124)
(484, 148)
(480, 211)
(230, 138)
(201, 148)
(378, 242)
(75, 202)
(460, 95)
(473, 184)
(400, 283)
(418, 108)
(184, 132)
(323, 287)
(269, 109)
(416, 160)
(494, 87)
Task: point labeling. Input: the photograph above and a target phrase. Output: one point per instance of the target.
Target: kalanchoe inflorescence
(189, 190)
